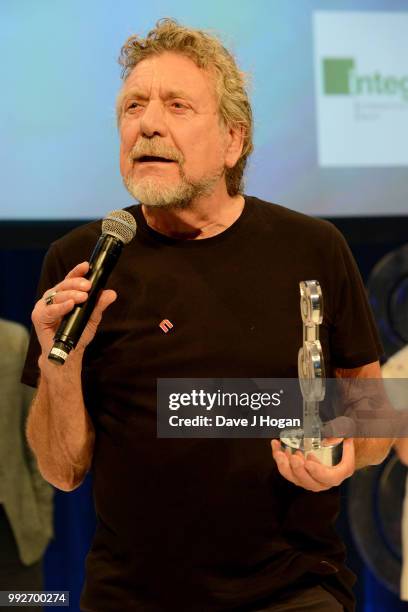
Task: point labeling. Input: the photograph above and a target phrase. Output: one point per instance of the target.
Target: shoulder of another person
(12, 334)
(397, 365)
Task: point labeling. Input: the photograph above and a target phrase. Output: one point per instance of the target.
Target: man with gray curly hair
(216, 100)
(196, 525)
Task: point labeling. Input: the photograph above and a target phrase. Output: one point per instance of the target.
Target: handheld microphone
(118, 228)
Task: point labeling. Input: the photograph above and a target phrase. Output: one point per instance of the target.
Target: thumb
(105, 299)
(341, 427)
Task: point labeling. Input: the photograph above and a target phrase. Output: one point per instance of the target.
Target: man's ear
(235, 143)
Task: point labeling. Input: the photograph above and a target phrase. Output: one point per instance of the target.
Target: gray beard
(151, 193)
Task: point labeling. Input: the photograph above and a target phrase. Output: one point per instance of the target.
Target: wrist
(67, 372)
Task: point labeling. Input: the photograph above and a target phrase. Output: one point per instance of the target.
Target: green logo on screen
(336, 76)
(340, 77)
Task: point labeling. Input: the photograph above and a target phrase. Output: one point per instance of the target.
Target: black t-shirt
(208, 524)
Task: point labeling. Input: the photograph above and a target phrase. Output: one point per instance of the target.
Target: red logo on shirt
(166, 325)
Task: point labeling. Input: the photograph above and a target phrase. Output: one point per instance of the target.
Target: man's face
(169, 112)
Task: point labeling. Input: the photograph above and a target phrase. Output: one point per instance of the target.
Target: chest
(188, 316)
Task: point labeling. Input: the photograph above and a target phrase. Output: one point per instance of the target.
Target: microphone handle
(103, 259)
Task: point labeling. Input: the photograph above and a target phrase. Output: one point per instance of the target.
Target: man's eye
(133, 105)
(178, 106)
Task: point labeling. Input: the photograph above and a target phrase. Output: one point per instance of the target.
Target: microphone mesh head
(121, 224)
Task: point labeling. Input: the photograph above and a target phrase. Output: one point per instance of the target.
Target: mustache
(155, 148)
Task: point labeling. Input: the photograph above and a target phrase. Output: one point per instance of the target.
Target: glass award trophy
(312, 382)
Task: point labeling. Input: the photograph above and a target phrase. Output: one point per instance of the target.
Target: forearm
(59, 429)
(371, 451)
(368, 450)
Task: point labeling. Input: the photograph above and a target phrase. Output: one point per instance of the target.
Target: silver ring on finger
(49, 298)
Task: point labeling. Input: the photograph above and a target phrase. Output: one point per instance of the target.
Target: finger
(80, 270)
(77, 284)
(63, 296)
(277, 452)
(292, 468)
(331, 441)
(276, 445)
(107, 297)
(51, 314)
(297, 463)
(71, 284)
(333, 475)
(282, 462)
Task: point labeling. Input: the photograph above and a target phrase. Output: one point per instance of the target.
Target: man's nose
(153, 121)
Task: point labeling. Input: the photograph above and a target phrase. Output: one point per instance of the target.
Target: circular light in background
(375, 502)
(388, 292)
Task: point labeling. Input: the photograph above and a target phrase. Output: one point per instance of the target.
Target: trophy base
(327, 454)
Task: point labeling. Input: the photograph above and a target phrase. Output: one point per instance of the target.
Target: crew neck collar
(190, 243)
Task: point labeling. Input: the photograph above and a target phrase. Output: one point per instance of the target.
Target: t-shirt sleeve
(53, 271)
(354, 340)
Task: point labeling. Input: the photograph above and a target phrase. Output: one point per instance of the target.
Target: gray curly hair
(208, 53)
